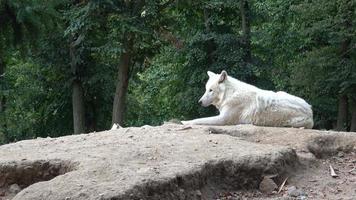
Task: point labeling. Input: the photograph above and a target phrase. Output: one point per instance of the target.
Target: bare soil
(317, 151)
(181, 162)
(313, 177)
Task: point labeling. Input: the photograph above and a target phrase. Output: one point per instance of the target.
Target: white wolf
(241, 103)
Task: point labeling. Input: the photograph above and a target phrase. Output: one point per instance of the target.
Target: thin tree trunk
(353, 115)
(78, 107)
(210, 43)
(3, 125)
(2, 98)
(342, 113)
(342, 119)
(246, 28)
(91, 118)
(77, 92)
(122, 84)
(207, 23)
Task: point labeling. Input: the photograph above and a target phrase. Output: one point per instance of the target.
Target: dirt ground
(313, 177)
(182, 162)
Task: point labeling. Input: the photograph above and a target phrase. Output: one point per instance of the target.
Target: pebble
(301, 198)
(14, 188)
(198, 193)
(340, 154)
(267, 185)
(292, 191)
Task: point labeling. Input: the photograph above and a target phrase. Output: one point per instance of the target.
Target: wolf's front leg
(216, 120)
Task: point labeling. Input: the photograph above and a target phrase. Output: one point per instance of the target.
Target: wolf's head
(215, 89)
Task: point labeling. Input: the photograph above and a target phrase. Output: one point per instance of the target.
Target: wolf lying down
(242, 103)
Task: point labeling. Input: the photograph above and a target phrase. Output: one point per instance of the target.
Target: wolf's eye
(210, 90)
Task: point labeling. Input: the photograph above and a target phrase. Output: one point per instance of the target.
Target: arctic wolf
(242, 103)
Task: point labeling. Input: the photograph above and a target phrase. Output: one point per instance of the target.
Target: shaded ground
(313, 178)
(180, 162)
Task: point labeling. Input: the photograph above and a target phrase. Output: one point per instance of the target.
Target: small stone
(292, 191)
(301, 198)
(14, 188)
(340, 154)
(291, 188)
(267, 185)
(181, 194)
(28, 168)
(198, 192)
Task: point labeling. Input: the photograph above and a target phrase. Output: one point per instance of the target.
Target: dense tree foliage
(79, 66)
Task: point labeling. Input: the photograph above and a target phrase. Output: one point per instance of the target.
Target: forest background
(70, 67)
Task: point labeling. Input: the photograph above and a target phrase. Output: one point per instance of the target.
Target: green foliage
(175, 80)
(25, 19)
(305, 47)
(36, 106)
(326, 67)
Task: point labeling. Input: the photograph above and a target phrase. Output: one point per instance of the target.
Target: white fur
(242, 103)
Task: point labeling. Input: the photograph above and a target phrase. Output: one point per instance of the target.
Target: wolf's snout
(202, 102)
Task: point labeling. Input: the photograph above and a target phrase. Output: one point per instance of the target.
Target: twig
(184, 128)
(282, 185)
(332, 172)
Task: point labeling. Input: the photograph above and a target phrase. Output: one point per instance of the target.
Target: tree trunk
(78, 107)
(2, 97)
(122, 84)
(353, 116)
(210, 43)
(342, 113)
(246, 29)
(342, 118)
(91, 117)
(207, 23)
(77, 92)
(3, 125)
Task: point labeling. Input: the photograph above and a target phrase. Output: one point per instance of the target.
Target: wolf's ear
(223, 76)
(211, 74)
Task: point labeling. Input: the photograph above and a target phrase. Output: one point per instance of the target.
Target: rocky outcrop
(165, 162)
